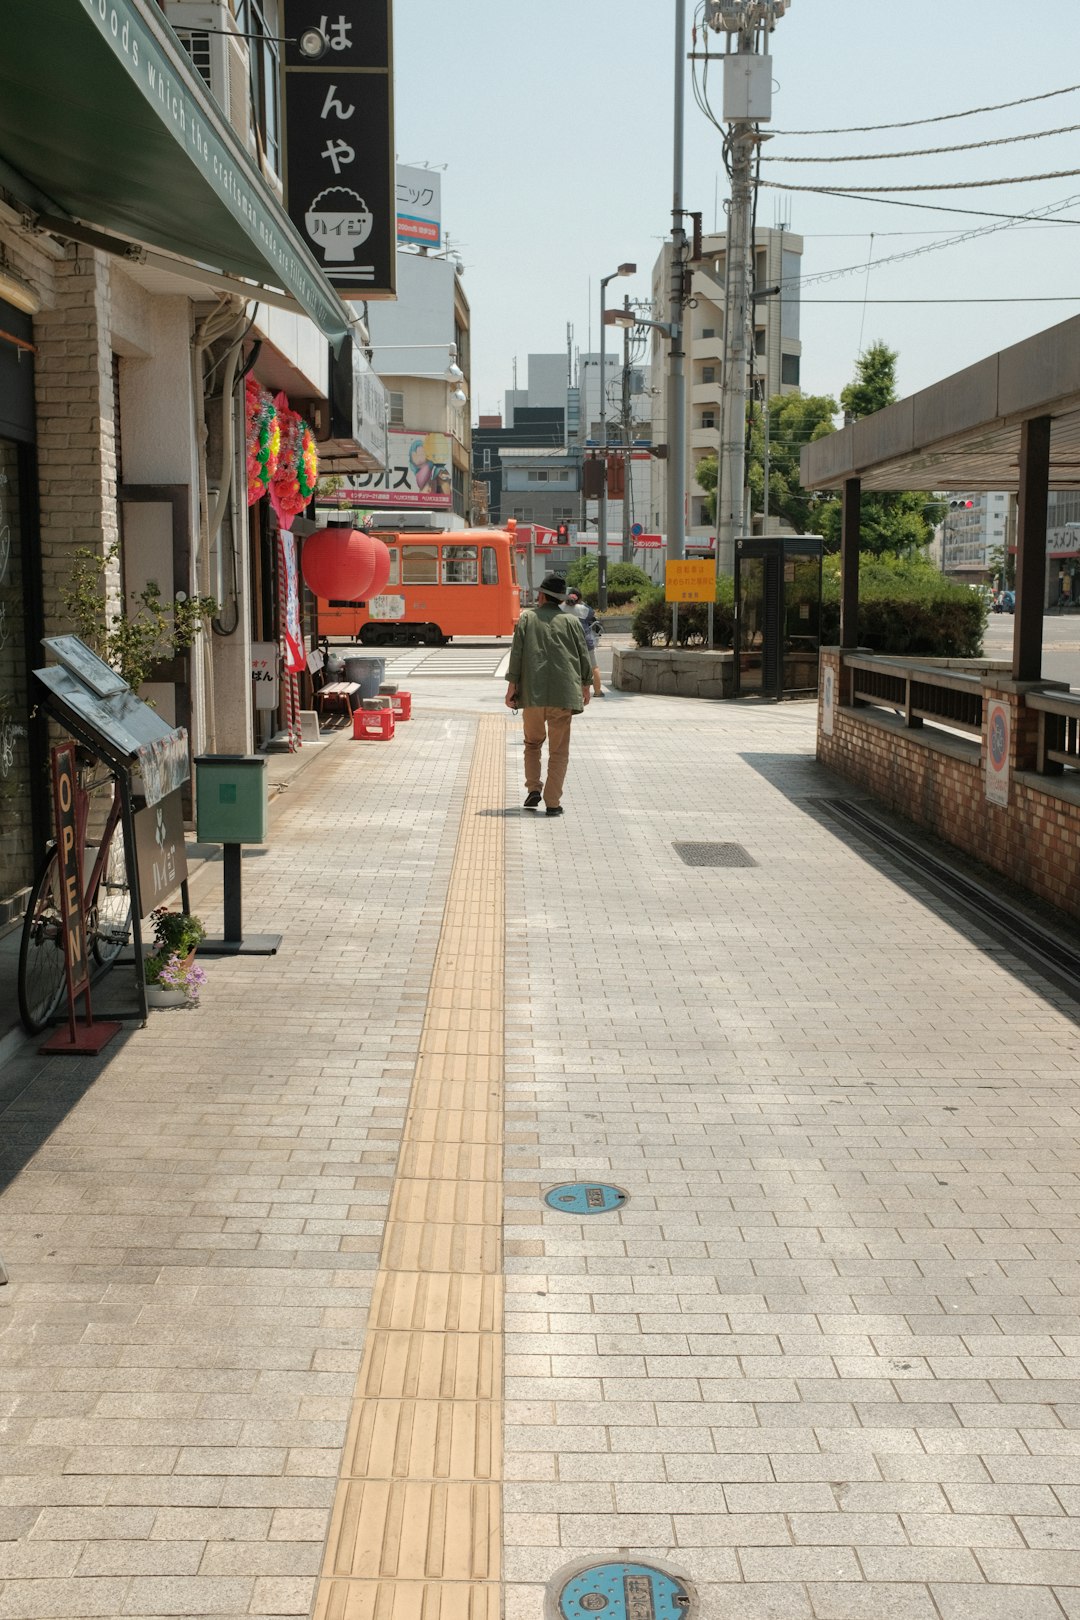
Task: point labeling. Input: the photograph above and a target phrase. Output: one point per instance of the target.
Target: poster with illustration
(420, 474)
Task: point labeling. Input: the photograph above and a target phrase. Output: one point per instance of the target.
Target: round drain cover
(585, 1197)
(624, 1592)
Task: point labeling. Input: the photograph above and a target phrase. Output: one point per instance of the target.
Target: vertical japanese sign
(339, 143)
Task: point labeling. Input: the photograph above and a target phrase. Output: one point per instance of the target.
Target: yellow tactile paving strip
(415, 1532)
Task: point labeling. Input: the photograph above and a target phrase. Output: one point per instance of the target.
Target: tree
(794, 420)
(900, 522)
(874, 384)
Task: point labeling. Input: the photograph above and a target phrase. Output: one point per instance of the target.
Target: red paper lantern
(382, 566)
(338, 564)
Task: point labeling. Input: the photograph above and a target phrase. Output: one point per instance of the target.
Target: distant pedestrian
(549, 680)
(577, 605)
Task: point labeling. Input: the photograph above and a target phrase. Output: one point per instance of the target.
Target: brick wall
(940, 786)
(76, 438)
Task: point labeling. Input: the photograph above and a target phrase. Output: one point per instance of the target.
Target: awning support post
(849, 561)
(1031, 548)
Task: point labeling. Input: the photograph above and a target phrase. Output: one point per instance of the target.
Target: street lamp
(601, 524)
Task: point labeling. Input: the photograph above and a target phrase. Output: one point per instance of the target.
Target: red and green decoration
(263, 440)
(293, 484)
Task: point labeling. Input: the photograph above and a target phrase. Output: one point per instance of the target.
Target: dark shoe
(554, 809)
(532, 800)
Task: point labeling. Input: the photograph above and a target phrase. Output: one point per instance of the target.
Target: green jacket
(549, 661)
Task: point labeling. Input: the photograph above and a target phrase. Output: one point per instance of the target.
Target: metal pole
(601, 520)
(676, 380)
(738, 339)
(627, 551)
(766, 459)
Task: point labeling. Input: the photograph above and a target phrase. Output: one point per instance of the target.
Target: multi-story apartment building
(777, 356)
(975, 527)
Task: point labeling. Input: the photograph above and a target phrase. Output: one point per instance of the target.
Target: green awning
(104, 120)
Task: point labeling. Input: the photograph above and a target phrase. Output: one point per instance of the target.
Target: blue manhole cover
(585, 1197)
(624, 1592)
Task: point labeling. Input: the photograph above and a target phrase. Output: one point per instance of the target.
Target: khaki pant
(554, 724)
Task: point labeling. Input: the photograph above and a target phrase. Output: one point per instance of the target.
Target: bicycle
(106, 902)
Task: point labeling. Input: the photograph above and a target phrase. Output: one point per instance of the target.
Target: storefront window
(16, 840)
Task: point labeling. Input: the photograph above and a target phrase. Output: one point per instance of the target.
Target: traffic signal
(963, 505)
(562, 534)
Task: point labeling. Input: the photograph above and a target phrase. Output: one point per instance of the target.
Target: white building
(975, 526)
(777, 356)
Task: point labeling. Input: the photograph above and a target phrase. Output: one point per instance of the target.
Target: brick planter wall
(937, 780)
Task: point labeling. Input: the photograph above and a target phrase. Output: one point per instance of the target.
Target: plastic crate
(402, 705)
(377, 724)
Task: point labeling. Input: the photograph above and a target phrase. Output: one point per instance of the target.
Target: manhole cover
(624, 1592)
(585, 1197)
(713, 855)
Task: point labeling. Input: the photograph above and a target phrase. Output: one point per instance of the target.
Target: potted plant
(172, 979)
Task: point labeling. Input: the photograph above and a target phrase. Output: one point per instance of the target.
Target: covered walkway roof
(964, 432)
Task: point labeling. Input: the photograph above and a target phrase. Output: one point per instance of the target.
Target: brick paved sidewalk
(822, 1364)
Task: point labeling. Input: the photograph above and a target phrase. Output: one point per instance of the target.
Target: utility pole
(676, 377)
(747, 102)
(627, 551)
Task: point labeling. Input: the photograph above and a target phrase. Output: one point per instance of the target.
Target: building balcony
(702, 393)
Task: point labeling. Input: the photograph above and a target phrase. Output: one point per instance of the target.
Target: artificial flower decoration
(263, 439)
(293, 484)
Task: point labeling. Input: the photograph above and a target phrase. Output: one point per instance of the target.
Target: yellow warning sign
(693, 581)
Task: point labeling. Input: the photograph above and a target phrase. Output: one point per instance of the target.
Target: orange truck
(453, 582)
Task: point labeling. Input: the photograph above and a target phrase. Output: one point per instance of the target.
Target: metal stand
(234, 943)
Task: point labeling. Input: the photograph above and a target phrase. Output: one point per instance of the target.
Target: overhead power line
(974, 233)
(937, 185)
(943, 208)
(939, 118)
(926, 151)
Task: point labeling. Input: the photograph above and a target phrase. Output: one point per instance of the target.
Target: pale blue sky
(554, 121)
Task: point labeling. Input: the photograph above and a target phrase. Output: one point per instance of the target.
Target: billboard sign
(339, 141)
(419, 206)
(418, 474)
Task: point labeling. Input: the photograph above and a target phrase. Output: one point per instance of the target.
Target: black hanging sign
(339, 141)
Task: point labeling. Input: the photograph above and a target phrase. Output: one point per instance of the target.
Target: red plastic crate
(402, 705)
(373, 723)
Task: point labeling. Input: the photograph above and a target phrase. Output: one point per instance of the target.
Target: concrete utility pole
(676, 377)
(627, 549)
(747, 102)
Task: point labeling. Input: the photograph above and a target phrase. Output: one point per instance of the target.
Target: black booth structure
(777, 616)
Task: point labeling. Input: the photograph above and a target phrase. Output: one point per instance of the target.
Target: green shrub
(625, 583)
(906, 608)
(653, 619)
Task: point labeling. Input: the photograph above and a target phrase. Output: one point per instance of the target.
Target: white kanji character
(338, 152)
(338, 34)
(332, 104)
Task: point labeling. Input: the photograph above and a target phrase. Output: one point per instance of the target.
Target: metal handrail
(921, 691)
(1058, 747)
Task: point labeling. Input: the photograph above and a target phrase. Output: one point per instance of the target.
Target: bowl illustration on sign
(338, 221)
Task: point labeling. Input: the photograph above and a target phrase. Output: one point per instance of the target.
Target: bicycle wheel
(42, 979)
(109, 914)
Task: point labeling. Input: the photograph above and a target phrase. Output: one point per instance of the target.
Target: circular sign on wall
(998, 747)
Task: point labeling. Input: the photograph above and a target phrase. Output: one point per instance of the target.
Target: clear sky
(555, 120)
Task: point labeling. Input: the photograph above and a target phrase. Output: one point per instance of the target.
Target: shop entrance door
(777, 616)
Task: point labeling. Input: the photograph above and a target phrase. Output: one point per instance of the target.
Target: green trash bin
(231, 799)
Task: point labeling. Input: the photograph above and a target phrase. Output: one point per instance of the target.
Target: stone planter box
(674, 672)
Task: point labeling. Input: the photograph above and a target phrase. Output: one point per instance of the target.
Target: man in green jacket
(550, 680)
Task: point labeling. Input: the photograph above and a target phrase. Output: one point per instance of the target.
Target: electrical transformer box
(747, 88)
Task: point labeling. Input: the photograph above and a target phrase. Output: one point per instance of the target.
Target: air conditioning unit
(219, 54)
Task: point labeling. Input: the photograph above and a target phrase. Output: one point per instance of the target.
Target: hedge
(906, 608)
